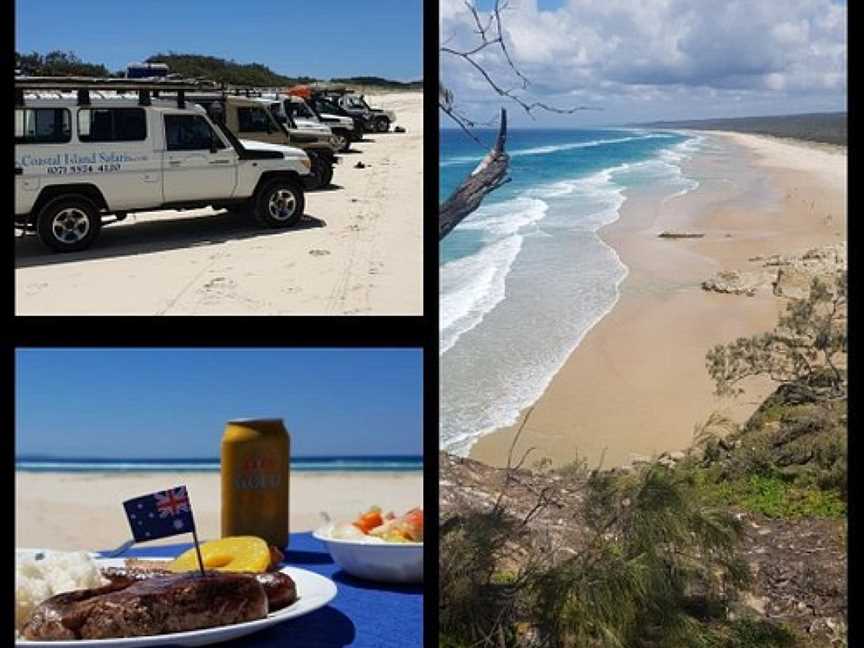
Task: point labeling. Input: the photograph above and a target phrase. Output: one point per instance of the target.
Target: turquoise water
(303, 464)
(526, 276)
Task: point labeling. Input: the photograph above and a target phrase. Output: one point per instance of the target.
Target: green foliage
(221, 70)
(380, 82)
(57, 63)
(775, 497)
(751, 633)
(481, 589)
(817, 127)
(803, 349)
(659, 564)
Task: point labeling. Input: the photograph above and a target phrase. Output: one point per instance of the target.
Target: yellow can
(256, 456)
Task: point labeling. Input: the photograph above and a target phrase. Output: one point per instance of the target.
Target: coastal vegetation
(828, 128)
(58, 63)
(737, 542)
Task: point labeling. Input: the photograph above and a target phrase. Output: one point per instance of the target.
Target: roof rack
(83, 85)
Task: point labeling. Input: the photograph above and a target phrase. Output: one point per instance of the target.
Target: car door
(258, 124)
(198, 163)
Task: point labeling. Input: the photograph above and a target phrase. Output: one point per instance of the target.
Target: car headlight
(307, 163)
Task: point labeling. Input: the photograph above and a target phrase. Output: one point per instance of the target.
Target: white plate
(313, 590)
(389, 562)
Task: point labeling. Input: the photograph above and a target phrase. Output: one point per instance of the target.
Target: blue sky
(164, 403)
(633, 61)
(333, 38)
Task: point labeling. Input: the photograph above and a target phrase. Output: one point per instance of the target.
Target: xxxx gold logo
(258, 472)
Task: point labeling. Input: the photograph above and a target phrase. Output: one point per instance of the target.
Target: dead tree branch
(490, 174)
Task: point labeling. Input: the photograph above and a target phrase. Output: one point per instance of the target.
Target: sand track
(358, 251)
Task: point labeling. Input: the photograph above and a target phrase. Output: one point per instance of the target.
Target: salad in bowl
(378, 546)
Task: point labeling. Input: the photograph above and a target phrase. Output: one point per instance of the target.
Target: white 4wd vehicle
(297, 109)
(78, 159)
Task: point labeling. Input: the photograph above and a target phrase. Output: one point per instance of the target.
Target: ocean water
(526, 276)
(302, 464)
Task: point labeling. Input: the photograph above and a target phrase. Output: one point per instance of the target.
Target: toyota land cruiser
(79, 157)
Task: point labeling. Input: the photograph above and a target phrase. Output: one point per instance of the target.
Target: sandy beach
(359, 251)
(637, 384)
(84, 510)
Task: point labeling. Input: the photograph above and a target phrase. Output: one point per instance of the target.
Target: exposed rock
(733, 282)
(785, 276)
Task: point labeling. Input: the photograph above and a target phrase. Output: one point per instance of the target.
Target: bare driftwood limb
(490, 34)
(490, 174)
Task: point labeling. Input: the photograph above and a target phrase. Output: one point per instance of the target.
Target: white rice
(57, 572)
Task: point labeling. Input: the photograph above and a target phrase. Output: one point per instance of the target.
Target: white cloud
(735, 50)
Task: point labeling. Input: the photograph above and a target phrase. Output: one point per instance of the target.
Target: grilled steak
(152, 606)
(279, 588)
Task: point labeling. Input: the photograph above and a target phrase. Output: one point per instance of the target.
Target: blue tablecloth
(362, 614)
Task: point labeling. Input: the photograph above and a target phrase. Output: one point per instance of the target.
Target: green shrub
(774, 497)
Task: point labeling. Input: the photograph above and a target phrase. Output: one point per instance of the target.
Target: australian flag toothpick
(160, 515)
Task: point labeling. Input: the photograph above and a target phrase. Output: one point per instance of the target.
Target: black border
(239, 331)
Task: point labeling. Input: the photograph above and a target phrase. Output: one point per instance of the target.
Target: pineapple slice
(235, 553)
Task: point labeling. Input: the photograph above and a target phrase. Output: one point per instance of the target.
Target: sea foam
(515, 308)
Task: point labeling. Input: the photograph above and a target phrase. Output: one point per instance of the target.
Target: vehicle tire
(343, 139)
(328, 176)
(69, 224)
(382, 124)
(280, 203)
(315, 179)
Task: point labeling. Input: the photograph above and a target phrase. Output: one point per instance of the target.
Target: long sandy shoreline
(83, 511)
(637, 384)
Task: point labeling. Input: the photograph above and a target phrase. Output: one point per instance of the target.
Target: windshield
(231, 137)
(297, 111)
(303, 110)
(326, 106)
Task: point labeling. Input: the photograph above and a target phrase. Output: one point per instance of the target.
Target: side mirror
(214, 145)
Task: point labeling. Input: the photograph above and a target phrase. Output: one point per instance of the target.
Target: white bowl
(389, 562)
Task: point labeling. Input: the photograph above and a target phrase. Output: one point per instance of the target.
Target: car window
(253, 120)
(42, 125)
(112, 125)
(189, 133)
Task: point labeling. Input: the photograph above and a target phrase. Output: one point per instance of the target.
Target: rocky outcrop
(467, 485)
(733, 282)
(794, 277)
(783, 276)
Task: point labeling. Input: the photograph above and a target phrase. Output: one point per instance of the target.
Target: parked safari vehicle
(379, 119)
(94, 152)
(302, 103)
(289, 109)
(249, 119)
(374, 120)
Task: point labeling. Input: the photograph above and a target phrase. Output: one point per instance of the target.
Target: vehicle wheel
(382, 124)
(327, 175)
(280, 203)
(69, 224)
(315, 179)
(343, 140)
